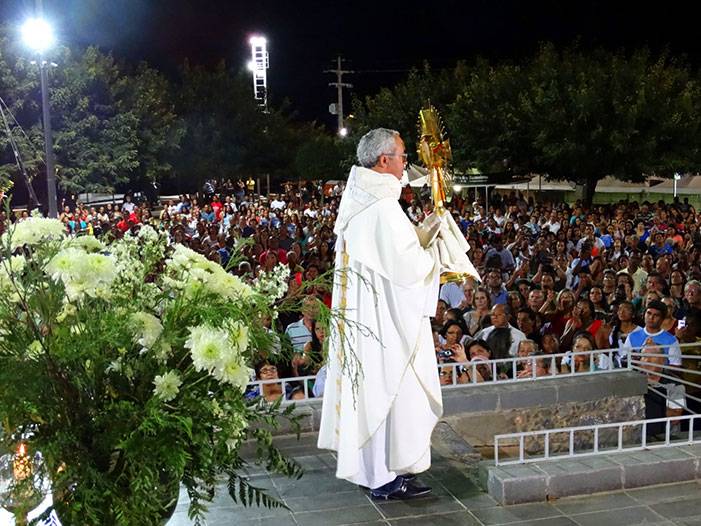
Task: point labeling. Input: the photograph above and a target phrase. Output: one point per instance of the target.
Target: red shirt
(217, 208)
(281, 256)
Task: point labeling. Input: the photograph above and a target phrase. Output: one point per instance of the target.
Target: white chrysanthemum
(34, 230)
(198, 274)
(83, 273)
(147, 233)
(208, 347)
(233, 371)
(231, 286)
(10, 267)
(64, 265)
(183, 258)
(167, 386)
(148, 329)
(102, 267)
(69, 310)
(273, 284)
(34, 350)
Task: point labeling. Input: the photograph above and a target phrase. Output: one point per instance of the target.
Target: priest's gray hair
(374, 144)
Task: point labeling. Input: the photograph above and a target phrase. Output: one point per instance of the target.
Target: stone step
(552, 479)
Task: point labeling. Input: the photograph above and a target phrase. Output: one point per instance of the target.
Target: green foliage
(581, 116)
(571, 114)
(227, 133)
(80, 371)
(398, 107)
(111, 126)
(319, 158)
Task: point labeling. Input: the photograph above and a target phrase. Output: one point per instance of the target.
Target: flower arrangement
(125, 365)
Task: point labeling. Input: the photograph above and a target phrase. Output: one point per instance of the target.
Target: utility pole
(337, 109)
(48, 135)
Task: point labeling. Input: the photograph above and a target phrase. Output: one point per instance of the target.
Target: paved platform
(321, 499)
(541, 481)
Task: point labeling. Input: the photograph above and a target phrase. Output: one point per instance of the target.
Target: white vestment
(386, 286)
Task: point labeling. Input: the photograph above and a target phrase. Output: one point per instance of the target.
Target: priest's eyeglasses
(404, 156)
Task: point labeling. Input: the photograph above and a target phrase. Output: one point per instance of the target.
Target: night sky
(381, 39)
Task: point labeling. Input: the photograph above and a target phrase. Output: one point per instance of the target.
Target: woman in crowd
(476, 317)
(271, 392)
(676, 289)
(514, 302)
(623, 323)
(669, 324)
(559, 319)
(451, 335)
(439, 318)
(582, 342)
(596, 295)
(582, 320)
(308, 363)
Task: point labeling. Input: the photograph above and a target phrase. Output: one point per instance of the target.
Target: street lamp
(39, 36)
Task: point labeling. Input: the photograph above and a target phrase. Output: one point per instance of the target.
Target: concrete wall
(482, 411)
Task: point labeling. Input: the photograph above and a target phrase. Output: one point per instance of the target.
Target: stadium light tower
(259, 65)
(38, 35)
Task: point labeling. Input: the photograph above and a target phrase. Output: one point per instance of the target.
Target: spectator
(475, 318)
(300, 332)
(495, 286)
(501, 337)
(653, 334)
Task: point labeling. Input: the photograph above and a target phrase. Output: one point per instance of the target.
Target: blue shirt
(668, 343)
(299, 335)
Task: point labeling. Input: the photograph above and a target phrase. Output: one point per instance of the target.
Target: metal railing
(284, 382)
(643, 360)
(596, 365)
(516, 374)
(570, 451)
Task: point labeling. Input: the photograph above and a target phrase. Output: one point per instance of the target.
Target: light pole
(258, 65)
(39, 36)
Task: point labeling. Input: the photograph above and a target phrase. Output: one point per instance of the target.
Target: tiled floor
(318, 498)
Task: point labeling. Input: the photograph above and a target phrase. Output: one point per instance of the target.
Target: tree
(581, 117)
(319, 158)
(398, 107)
(111, 129)
(226, 131)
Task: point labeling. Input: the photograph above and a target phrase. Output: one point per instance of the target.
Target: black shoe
(405, 491)
(408, 477)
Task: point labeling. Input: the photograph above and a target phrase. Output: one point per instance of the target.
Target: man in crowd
(502, 338)
(653, 334)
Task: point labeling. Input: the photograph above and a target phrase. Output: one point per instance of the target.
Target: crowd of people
(556, 278)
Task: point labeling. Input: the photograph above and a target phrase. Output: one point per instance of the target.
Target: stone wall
(478, 412)
(548, 404)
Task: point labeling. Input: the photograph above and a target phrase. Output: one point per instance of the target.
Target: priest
(382, 397)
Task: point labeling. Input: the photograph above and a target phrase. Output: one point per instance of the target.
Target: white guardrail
(597, 357)
(510, 439)
(651, 361)
(600, 361)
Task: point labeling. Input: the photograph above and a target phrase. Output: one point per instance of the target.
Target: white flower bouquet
(125, 365)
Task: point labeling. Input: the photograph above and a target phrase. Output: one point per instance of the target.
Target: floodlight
(343, 132)
(38, 34)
